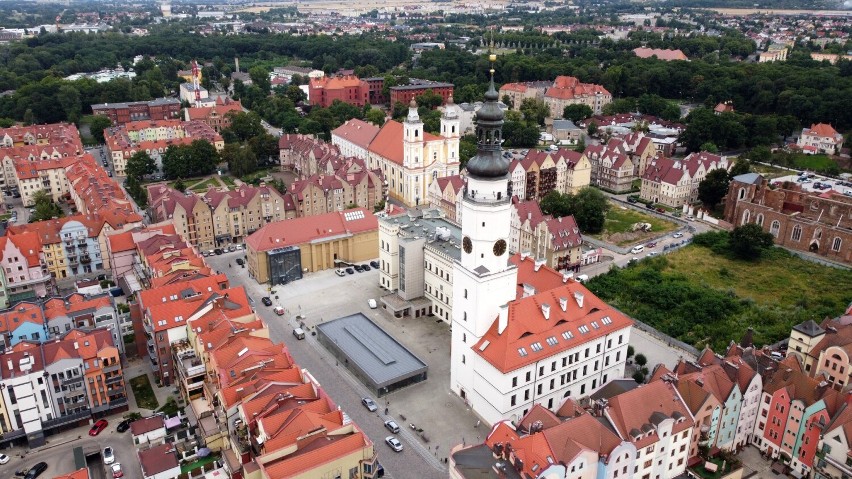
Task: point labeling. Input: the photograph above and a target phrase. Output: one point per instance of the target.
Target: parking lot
(443, 417)
(58, 453)
(818, 184)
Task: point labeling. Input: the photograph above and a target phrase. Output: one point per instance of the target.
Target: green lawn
(813, 162)
(185, 468)
(143, 392)
(619, 220)
(201, 186)
(769, 172)
(229, 180)
(701, 297)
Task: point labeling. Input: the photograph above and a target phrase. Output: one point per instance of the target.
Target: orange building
(348, 89)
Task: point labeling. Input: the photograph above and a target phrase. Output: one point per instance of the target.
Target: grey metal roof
(810, 328)
(750, 178)
(373, 351)
(564, 125)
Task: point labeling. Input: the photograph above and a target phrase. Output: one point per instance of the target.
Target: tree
(534, 110)
(260, 78)
(467, 149)
(507, 100)
(741, 167)
(592, 129)
(429, 99)
(136, 191)
(244, 125)
(590, 209)
(45, 207)
(97, 126)
(709, 147)
(630, 351)
(638, 377)
(139, 165)
(180, 186)
(577, 112)
(240, 158)
(749, 241)
(295, 94)
(69, 99)
(176, 162)
(204, 157)
(713, 187)
(375, 116)
(640, 359)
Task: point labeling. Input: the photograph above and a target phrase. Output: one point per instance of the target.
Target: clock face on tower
(467, 245)
(499, 247)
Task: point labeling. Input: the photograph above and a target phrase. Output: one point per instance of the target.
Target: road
(415, 460)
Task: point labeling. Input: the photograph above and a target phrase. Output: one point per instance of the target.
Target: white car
(4, 459)
(109, 456)
(340, 272)
(394, 443)
(677, 235)
(372, 303)
(637, 249)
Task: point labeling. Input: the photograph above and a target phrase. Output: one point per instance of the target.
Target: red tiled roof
(158, 459)
(309, 228)
(527, 326)
(147, 424)
(630, 411)
(22, 312)
(822, 129)
(564, 233)
(27, 243)
(357, 131)
(388, 142)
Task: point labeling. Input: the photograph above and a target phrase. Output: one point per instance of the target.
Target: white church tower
(451, 131)
(412, 138)
(483, 280)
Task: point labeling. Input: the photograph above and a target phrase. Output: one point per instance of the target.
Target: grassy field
(619, 220)
(703, 298)
(769, 172)
(144, 393)
(201, 186)
(813, 162)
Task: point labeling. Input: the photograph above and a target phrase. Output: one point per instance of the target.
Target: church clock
(467, 244)
(499, 247)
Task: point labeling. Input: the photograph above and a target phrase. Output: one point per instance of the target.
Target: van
(638, 249)
(583, 278)
(299, 333)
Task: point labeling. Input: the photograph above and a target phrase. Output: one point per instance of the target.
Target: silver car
(393, 443)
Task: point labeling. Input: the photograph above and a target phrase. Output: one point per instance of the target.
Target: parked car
(374, 264)
(631, 199)
(116, 471)
(340, 272)
(123, 425)
(279, 311)
(240, 261)
(98, 427)
(392, 426)
(369, 404)
(266, 301)
(36, 470)
(393, 443)
(365, 267)
(219, 251)
(637, 249)
(372, 303)
(651, 244)
(358, 268)
(231, 248)
(109, 456)
(650, 206)
(350, 271)
(677, 235)
(652, 254)
(4, 459)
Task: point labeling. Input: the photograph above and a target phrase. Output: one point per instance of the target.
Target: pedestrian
(386, 411)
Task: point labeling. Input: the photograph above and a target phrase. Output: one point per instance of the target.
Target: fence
(817, 259)
(665, 338)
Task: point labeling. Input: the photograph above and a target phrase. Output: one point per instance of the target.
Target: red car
(98, 427)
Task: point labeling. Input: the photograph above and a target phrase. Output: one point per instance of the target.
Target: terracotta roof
(75, 303)
(48, 231)
(147, 424)
(124, 241)
(530, 335)
(27, 243)
(317, 449)
(541, 277)
(518, 87)
(801, 387)
(357, 131)
(564, 233)
(23, 312)
(388, 142)
(528, 210)
(158, 459)
(821, 129)
(631, 411)
(220, 109)
(78, 474)
(169, 306)
(302, 230)
(22, 358)
(456, 181)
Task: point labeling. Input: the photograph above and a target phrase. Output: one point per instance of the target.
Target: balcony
(85, 259)
(115, 366)
(118, 402)
(66, 419)
(72, 380)
(114, 379)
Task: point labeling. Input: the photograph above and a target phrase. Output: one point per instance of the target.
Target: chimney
(503, 318)
(545, 310)
(524, 255)
(563, 303)
(566, 277)
(578, 296)
(538, 264)
(529, 290)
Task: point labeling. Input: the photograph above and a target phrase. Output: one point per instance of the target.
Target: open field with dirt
(620, 220)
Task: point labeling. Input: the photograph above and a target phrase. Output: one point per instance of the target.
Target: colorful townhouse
(834, 455)
(791, 411)
(72, 246)
(24, 322)
(78, 311)
(23, 268)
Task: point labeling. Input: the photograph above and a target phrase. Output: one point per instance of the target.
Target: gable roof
(359, 132)
(632, 412)
(388, 141)
(301, 230)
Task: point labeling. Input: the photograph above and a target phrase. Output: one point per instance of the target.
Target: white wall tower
(412, 137)
(451, 131)
(483, 280)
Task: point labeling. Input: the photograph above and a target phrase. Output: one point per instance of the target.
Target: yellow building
(281, 252)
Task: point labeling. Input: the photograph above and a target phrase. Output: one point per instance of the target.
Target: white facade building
(512, 349)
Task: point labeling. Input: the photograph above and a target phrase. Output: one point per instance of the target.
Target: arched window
(746, 216)
(835, 245)
(774, 228)
(741, 194)
(759, 219)
(797, 233)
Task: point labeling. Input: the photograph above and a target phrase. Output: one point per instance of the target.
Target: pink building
(24, 270)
